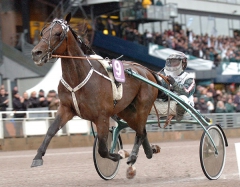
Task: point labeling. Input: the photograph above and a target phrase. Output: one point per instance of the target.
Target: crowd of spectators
(208, 99)
(24, 102)
(214, 48)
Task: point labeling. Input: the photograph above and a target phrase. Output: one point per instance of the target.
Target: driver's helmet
(175, 64)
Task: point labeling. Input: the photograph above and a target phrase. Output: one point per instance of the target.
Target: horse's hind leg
(147, 148)
(131, 171)
(58, 123)
(138, 142)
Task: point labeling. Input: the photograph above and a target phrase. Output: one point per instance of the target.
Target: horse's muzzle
(39, 58)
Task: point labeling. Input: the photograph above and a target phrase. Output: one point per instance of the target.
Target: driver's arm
(187, 89)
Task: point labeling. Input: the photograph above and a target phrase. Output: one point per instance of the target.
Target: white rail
(37, 122)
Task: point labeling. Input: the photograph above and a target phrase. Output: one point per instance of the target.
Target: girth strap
(73, 90)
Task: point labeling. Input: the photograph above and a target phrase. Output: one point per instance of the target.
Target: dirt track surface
(177, 165)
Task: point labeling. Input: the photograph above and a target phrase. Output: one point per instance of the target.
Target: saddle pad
(117, 92)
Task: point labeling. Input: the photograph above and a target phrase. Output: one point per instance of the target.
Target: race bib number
(118, 70)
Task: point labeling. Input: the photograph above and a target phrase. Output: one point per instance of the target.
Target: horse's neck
(74, 70)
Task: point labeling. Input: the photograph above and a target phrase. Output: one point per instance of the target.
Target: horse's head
(54, 41)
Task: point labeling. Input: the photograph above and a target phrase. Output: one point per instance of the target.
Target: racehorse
(85, 91)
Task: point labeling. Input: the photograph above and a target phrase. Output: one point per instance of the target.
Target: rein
(76, 57)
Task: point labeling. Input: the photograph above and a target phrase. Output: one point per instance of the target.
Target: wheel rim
(213, 163)
(106, 168)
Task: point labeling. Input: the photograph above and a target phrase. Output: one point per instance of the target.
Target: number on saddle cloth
(118, 71)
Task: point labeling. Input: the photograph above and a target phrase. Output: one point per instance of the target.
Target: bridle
(63, 36)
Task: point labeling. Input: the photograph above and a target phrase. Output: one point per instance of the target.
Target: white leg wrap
(123, 153)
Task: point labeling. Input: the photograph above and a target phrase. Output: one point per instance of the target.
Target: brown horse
(92, 96)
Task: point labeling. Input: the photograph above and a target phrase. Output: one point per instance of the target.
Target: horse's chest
(93, 95)
(68, 98)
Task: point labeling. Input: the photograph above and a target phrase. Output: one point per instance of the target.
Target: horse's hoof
(156, 149)
(123, 153)
(131, 172)
(37, 163)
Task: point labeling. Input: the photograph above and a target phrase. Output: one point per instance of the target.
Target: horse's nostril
(36, 53)
(39, 52)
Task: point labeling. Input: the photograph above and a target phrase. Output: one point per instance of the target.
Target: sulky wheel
(212, 164)
(106, 168)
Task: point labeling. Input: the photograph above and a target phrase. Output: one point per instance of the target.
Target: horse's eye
(58, 34)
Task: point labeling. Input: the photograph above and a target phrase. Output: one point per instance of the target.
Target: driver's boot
(179, 112)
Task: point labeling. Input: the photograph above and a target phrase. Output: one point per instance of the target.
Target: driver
(181, 83)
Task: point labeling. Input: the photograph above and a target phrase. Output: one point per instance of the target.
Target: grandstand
(220, 18)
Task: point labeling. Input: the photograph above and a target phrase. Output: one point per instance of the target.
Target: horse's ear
(68, 17)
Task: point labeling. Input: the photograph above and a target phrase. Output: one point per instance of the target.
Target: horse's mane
(81, 37)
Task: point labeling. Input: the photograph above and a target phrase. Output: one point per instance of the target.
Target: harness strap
(157, 115)
(73, 90)
(97, 71)
(103, 75)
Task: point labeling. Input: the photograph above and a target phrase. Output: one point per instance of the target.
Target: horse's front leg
(103, 149)
(62, 117)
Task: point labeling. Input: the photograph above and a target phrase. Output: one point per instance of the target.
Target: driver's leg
(180, 111)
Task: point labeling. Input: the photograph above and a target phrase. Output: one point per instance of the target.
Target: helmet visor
(173, 67)
(173, 62)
